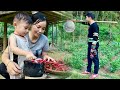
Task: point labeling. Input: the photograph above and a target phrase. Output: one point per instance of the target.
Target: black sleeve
(95, 33)
(95, 28)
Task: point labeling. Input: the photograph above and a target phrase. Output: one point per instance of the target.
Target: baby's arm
(18, 51)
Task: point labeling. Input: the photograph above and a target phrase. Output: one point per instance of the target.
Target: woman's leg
(3, 71)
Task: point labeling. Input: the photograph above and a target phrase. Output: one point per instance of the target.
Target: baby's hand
(30, 56)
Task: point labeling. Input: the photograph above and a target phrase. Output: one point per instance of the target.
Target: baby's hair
(38, 17)
(23, 16)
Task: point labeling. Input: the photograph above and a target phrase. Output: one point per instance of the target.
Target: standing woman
(38, 43)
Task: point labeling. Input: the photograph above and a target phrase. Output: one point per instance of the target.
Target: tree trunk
(97, 14)
(5, 36)
(81, 15)
(56, 33)
(52, 34)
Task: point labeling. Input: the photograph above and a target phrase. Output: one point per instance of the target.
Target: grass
(77, 74)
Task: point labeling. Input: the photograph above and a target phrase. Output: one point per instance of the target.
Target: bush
(78, 51)
(103, 61)
(76, 61)
(115, 65)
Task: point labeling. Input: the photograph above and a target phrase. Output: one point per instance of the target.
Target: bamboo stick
(96, 21)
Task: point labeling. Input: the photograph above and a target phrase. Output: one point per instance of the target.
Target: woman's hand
(48, 58)
(13, 68)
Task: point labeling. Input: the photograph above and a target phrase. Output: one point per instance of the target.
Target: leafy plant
(115, 65)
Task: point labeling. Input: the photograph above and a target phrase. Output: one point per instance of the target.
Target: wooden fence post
(5, 36)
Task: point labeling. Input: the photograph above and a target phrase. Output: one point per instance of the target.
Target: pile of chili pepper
(57, 65)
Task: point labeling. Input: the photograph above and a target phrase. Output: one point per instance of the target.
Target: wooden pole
(5, 36)
(96, 21)
(52, 34)
(56, 33)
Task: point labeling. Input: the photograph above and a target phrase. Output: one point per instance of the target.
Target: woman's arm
(5, 57)
(12, 67)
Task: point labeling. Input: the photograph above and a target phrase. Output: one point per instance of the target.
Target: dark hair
(90, 14)
(23, 16)
(38, 17)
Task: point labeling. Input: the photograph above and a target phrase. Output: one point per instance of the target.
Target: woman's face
(39, 28)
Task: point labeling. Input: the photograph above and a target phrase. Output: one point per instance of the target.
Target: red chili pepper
(50, 65)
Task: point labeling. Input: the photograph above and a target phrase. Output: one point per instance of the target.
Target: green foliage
(103, 61)
(107, 52)
(77, 60)
(10, 29)
(78, 51)
(1, 29)
(115, 65)
(104, 32)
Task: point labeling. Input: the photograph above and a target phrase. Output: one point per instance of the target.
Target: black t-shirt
(93, 28)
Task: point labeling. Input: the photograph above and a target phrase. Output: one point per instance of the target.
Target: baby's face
(22, 27)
